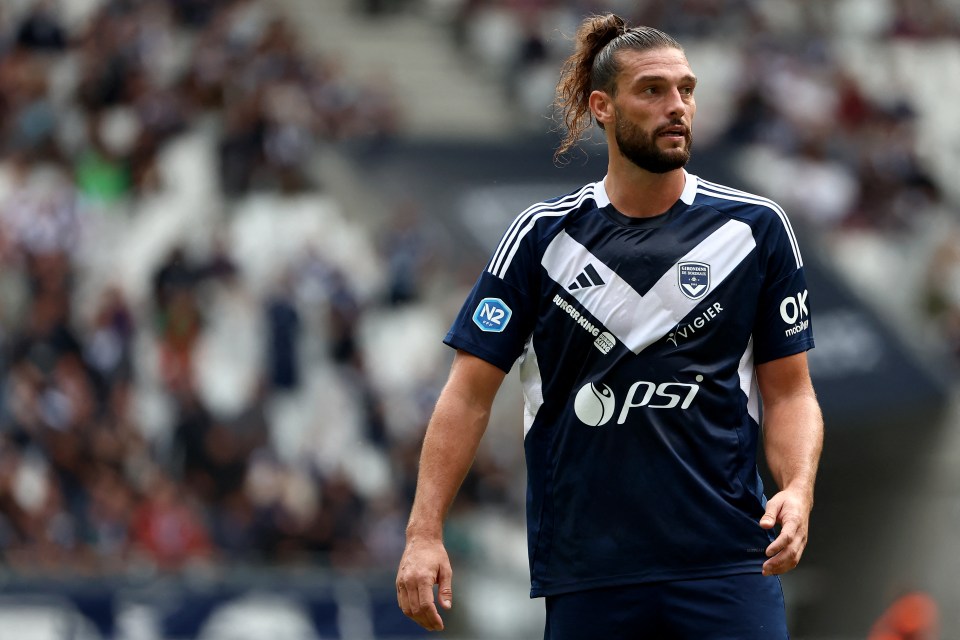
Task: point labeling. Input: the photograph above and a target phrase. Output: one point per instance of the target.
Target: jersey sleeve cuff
(496, 360)
(784, 351)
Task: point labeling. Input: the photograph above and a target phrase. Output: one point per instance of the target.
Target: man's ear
(601, 106)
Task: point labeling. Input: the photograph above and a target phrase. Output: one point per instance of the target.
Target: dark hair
(594, 65)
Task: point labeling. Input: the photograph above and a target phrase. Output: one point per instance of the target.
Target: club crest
(694, 279)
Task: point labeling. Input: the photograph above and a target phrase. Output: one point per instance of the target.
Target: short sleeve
(500, 313)
(783, 325)
(494, 322)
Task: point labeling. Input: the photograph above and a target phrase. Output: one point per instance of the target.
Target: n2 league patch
(492, 315)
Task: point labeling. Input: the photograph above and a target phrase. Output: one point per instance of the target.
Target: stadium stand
(182, 383)
(201, 392)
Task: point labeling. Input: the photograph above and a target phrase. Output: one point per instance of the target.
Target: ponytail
(593, 66)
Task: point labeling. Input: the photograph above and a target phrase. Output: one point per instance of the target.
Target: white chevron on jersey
(726, 193)
(639, 321)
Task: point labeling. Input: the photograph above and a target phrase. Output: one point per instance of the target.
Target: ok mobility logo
(794, 312)
(595, 404)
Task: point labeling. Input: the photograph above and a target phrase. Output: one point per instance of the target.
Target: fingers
(422, 566)
(785, 551)
(402, 599)
(769, 518)
(445, 591)
(427, 616)
(416, 602)
(782, 562)
(415, 597)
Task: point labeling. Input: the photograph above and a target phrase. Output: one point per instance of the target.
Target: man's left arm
(793, 439)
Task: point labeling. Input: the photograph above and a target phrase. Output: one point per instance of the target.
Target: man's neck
(641, 194)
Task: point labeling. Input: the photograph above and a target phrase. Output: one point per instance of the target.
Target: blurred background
(234, 232)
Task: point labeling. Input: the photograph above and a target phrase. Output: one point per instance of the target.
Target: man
(650, 312)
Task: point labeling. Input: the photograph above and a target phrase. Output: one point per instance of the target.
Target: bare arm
(453, 435)
(793, 439)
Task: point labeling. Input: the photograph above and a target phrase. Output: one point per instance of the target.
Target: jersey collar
(686, 196)
(689, 189)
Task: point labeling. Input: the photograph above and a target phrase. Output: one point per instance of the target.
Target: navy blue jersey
(637, 340)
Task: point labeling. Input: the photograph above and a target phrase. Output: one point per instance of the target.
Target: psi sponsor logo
(595, 404)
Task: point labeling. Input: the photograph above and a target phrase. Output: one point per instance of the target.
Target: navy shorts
(739, 607)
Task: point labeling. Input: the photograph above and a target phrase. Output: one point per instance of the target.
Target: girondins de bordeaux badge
(694, 279)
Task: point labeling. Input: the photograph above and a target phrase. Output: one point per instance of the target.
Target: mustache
(670, 125)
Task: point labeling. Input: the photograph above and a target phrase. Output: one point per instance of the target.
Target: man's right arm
(449, 447)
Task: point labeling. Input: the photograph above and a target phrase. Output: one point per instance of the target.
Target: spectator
(167, 527)
(407, 250)
(283, 328)
(40, 28)
(108, 348)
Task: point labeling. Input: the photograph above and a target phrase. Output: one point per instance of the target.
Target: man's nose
(676, 105)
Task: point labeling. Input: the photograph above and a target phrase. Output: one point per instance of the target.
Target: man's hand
(791, 510)
(449, 447)
(423, 565)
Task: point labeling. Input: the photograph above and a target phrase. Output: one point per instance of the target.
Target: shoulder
(736, 202)
(591, 194)
(543, 220)
(763, 215)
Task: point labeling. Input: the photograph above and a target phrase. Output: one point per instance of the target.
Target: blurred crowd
(91, 97)
(99, 97)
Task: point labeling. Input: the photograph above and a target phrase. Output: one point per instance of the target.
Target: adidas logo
(587, 278)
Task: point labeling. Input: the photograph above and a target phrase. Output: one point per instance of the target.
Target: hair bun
(620, 23)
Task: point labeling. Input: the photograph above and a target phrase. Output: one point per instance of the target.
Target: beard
(641, 148)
